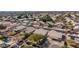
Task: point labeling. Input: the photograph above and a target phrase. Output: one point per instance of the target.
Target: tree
(46, 18)
(50, 25)
(25, 16)
(2, 26)
(20, 16)
(70, 25)
(65, 44)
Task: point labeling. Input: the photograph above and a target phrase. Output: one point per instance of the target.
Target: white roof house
(20, 19)
(37, 19)
(24, 24)
(29, 29)
(20, 27)
(6, 23)
(25, 21)
(54, 34)
(55, 44)
(41, 22)
(76, 28)
(41, 31)
(67, 19)
(36, 24)
(54, 18)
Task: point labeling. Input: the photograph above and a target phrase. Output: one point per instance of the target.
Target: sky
(40, 5)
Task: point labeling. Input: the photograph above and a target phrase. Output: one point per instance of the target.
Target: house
(41, 31)
(37, 19)
(55, 35)
(55, 44)
(1, 42)
(21, 27)
(54, 18)
(29, 29)
(41, 22)
(76, 28)
(20, 19)
(67, 19)
(51, 23)
(36, 24)
(59, 24)
(6, 23)
(25, 22)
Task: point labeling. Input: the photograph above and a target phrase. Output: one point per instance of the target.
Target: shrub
(26, 46)
(1, 37)
(35, 37)
(24, 35)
